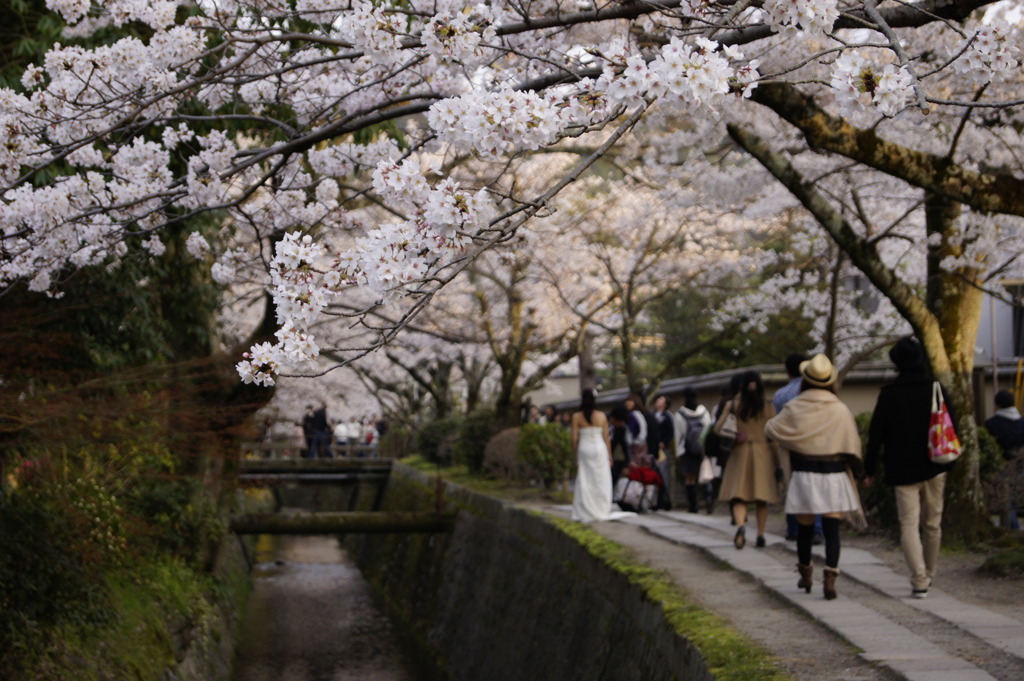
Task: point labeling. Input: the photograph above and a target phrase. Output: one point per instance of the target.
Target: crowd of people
(315, 436)
(802, 446)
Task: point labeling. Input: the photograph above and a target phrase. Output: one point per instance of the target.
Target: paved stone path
(874, 630)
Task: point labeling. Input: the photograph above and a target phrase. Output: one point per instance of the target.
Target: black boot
(691, 498)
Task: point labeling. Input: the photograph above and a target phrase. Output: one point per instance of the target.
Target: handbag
(707, 473)
(943, 443)
(730, 427)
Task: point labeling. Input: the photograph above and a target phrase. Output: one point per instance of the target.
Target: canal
(312, 617)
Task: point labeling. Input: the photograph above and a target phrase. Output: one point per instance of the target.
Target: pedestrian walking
(749, 476)
(898, 437)
(695, 419)
(819, 435)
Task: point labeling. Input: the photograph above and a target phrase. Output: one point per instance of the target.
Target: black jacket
(899, 431)
(1009, 433)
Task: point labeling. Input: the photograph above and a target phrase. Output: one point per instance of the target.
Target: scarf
(815, 423)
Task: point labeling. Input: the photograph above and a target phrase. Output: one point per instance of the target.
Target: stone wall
(508, 596)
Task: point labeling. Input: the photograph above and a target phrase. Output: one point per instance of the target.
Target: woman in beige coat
(820, 434)
(749, 475)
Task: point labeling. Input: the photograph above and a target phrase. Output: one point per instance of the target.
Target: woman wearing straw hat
(820, 434)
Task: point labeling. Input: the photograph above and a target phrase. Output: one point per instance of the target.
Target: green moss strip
(730, 655)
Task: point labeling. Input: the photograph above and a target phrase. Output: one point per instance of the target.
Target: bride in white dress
(592, 495)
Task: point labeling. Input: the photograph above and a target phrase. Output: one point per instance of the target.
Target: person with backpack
(695, 420)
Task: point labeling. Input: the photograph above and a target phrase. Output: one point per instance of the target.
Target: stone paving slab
(947, 675)
(881, 640)
(1003, 632)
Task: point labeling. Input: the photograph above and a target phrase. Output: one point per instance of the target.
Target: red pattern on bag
(943, 442)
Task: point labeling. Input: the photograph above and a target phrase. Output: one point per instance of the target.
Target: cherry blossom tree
(300, 122)
(813, 279)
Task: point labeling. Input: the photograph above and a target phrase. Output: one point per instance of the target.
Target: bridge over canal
(361, 476)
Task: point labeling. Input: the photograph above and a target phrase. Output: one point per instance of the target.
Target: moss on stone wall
(509, 595)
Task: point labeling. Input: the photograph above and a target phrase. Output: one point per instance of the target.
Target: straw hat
(818, 371)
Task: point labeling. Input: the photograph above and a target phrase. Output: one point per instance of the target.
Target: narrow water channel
(311, 617)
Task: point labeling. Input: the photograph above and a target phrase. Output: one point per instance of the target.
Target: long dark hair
(752, 402)
(588, 402)
(638, 402)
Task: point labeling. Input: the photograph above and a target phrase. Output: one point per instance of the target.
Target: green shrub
(501, 458)
(474, 434)
(396, 443)
(879, 500)
(434, 440)
(548, 449)
(1008, 564)
(48, 578)
(77, 522)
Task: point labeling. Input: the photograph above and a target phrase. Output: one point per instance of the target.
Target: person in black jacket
(899, 433)
(1007, 427)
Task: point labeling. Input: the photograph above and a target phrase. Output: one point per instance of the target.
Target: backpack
(691, 441)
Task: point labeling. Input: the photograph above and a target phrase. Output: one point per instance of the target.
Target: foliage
(97, 521)
(547, 448)
(434, 440)
(154, 612)
(474, 434)
(1008, 560)
(396, 443)
(501, 458)
(878, 500)
(45, 580)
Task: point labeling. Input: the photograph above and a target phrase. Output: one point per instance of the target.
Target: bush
(501, 458)
(878, 500)
(435, 440)
(476, 431)
(77, 522)
(46, 579)
(548, 449)
(395, 444)
(992, 469)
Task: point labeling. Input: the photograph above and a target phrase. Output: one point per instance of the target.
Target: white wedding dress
(592, 495)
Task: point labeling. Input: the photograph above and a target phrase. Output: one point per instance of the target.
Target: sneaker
(919, 593)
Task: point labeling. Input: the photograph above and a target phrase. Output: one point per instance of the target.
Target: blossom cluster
(460, 36)
(276, 114)
(692, 75)
(814, 16)
(992, 54)
(859, 82)
(495, 123)
(373, 29)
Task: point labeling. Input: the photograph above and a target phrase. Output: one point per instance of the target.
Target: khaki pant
(920, 510)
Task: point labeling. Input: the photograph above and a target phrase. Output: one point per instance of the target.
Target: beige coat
(750, 471)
